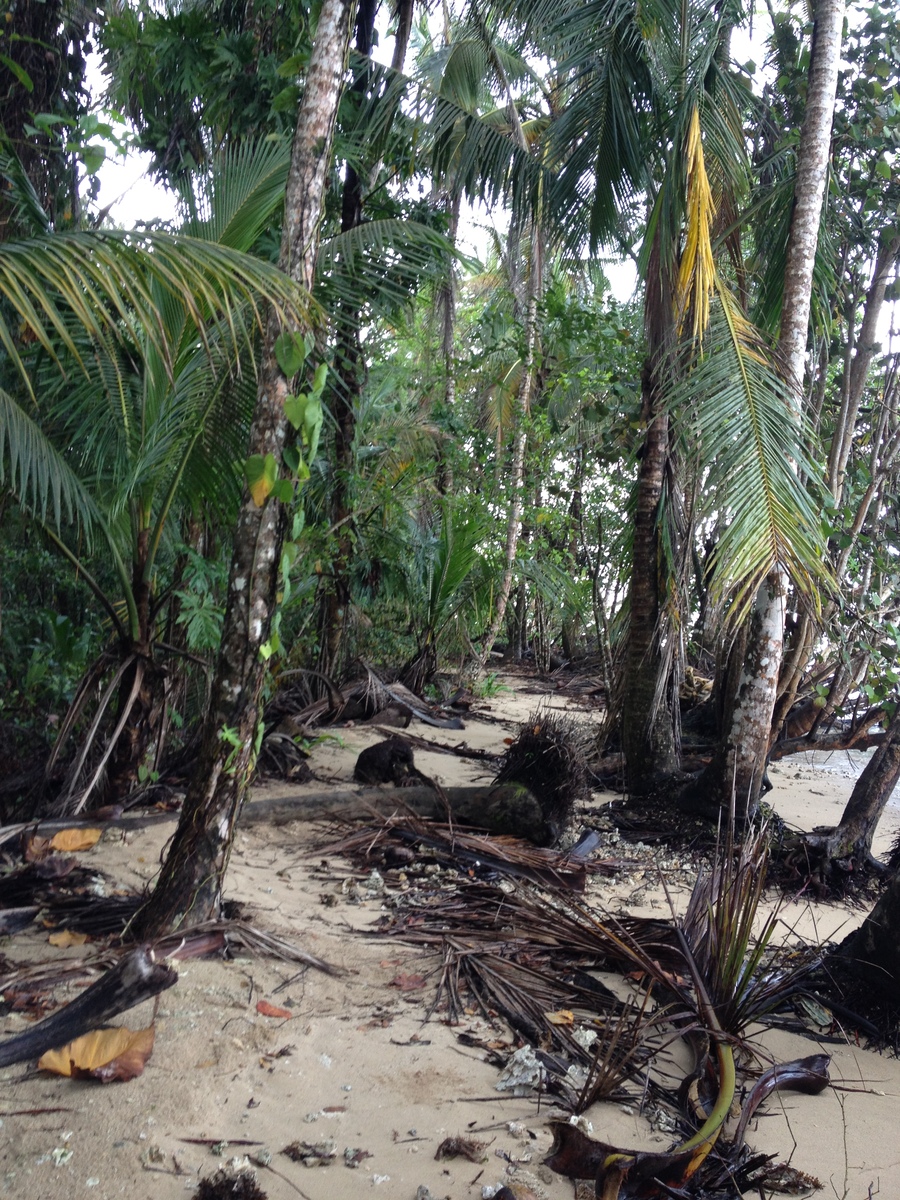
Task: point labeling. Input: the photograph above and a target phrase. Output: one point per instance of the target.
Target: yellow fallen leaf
(563, 1017)
(67, 937)
(104, 1054)
(70, 840)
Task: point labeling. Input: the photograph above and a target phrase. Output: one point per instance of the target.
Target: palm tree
(190, 884)
(740, 764)
(133, 436)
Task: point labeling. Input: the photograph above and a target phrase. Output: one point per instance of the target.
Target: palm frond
(238, 197)
(37, 473)
(378, 265)
(107, 280)
(735, 413)
(697, 270)
(20, 193)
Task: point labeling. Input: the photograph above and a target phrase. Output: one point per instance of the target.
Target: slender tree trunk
(446, 302)
(517, 467)
(526, 390)
(739, 768)
(345, 396)
(648, 727)
(335, 596)
(189, 889)
(866, 345)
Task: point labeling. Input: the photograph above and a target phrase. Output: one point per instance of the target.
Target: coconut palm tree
(142, 353)
(190, 885)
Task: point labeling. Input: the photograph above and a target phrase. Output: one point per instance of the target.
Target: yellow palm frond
(697, 273)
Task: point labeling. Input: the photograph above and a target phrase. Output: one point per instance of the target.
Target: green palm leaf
(735, 414)
(236, 200)
(379, 264)
(36, 472)
(112, 282)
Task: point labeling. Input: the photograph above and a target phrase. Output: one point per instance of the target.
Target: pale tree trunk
(446, 304)
(517, 467)
(802, 639)
(866, 344)
(739, 768)
(189, 889)
(526, 389)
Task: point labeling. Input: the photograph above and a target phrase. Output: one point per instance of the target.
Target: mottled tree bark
(740, 765)
(335, 594)
(648, 728)
(189, 889)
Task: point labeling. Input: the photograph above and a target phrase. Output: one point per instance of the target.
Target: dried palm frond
(238, 935)
(742, 979)
(468, 850)
(549, 757)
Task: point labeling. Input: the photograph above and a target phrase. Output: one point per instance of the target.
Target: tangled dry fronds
(549, 757)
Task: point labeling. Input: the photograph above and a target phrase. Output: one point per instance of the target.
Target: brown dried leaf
(562, 1017)
(407, 983)
(72, 840)
(265, 1009)
(104, 1054)
(461, 1147)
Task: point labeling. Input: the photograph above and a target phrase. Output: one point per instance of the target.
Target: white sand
(363, 1070)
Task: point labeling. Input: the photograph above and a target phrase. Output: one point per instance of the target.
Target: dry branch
(135, 978)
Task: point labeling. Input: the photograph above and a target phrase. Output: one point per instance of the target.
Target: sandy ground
(355, 1065)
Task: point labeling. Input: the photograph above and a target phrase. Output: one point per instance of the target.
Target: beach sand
(355, 1065)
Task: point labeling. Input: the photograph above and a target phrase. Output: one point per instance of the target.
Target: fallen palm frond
(470, 851)
(237, 935)
(529, 955)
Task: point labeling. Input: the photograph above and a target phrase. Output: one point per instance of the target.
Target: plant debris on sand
(530, 953)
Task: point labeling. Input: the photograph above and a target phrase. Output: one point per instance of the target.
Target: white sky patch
(126, 187)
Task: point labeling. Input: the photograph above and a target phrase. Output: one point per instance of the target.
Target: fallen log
(135, 978)
(507, 808)
(499, 808)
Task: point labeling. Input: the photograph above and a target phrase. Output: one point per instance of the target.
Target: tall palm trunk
(648, 718)
(739, 766)
(335, 596)
(648, 726)
(190, 885)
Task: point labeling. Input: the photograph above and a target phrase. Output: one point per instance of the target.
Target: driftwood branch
(422, 743)
(135, 978)
(499, 808)
(857, 739)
